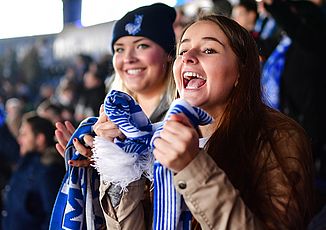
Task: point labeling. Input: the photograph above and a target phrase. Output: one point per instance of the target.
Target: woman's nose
(130, 57)
(189, 57)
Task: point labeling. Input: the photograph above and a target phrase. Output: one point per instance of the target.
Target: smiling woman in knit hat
(143, 43)
(143, 47)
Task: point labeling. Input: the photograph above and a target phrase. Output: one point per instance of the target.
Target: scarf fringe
(110, 159)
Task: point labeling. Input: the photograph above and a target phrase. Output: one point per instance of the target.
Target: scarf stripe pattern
(123, 110)
(272, 71)
(131, 156)
(170, 210)
(77, 204)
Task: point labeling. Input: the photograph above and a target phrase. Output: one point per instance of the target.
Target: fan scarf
(170, 211)
(124, 161)
(121, 163)
(77, 204)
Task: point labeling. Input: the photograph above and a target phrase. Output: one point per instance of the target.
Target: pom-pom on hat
(154, 22)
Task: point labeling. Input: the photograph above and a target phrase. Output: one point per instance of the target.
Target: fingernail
(75, 139)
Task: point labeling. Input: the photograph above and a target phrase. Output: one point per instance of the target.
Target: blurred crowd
(291, 37)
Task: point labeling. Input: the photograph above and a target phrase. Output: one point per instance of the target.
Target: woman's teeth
(133, 71)
(192, 80)
(191, 75)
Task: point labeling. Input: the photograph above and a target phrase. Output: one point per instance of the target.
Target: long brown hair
(248, 125)
(236, 137)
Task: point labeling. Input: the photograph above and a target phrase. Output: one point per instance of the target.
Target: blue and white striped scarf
(170, 211)
(77, 204)
(271, 73)
(130, 157)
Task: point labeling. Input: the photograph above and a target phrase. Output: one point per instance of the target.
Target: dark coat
(31, 193)
(9, 154)
(303, 82)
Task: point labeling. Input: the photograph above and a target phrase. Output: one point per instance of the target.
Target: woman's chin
(192, 99)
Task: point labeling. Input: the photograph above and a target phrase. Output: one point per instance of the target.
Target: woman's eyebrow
(184, 40)
(213, 39)
(134, 42)
(205, 38)
(117, 44)
(138, 40)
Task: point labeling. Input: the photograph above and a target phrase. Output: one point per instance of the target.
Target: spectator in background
(9, 153)
(66, 92)
(8, 65)
(14, 109)
(46, 92)
(222, 7)
(105, 66)
(91, 96)
(82, 63)
(31, 192)
(302, 82)
(66, 97)
(180, 22)
(247, 15)
(50, 111)
(7, 89)
(31, 70)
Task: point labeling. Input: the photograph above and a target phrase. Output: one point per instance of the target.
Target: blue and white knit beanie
(154, 22)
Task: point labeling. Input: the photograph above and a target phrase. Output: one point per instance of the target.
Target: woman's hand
(106, 128)
(103, 127)
(178, 143)
(63, 133)
(83, 150)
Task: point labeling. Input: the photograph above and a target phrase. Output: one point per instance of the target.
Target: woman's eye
(209, 51)
(118, 50)
(182, 52)
(142, 46)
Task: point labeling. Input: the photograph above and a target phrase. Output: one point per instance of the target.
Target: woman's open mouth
(192, 80)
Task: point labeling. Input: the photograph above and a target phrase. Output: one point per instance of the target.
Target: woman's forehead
(132, 40)
(204, 29)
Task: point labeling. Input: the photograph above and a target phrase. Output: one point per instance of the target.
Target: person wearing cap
(143, 43)
(143, 47)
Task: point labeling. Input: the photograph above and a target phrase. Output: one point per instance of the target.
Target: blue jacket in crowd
(31, 193)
